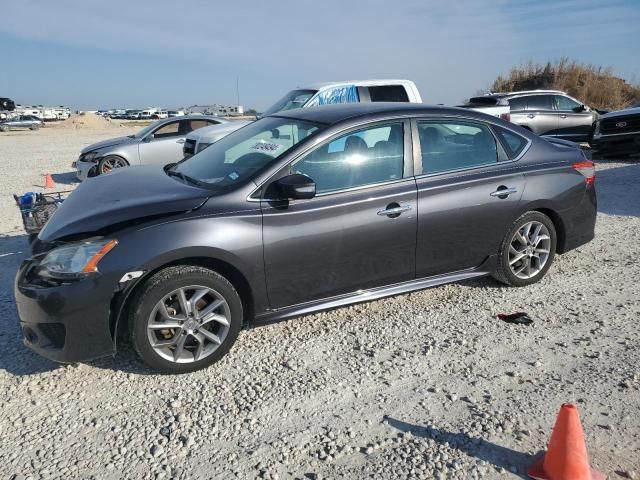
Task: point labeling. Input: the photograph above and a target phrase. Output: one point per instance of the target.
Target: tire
(164, 287)
(110, 162)
(4, 128)
(512, 269)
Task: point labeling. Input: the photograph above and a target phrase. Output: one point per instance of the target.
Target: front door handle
(563, 116)
(503, 192)
(531, 115)
(180, 140)
(394, 210)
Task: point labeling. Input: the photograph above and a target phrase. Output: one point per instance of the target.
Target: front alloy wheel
(109, 163)
(188, 324)
(184, 318)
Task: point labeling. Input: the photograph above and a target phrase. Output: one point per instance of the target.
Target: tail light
(588, 170)
(505, 116)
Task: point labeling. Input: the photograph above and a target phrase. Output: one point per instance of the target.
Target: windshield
(293, 99)
(243, 153)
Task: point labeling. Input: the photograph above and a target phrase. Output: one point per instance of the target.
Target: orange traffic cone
(566, 457)
(48, 181)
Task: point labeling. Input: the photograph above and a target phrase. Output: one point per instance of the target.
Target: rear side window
(517, 104)
(513, 143)
(388, 93)
(450, 145)
(540, 102)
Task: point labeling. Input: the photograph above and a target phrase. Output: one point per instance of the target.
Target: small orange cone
(48, 181)
(566, 457)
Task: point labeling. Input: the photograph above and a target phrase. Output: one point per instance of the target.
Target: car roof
(331, 114)
(193, 117)
(357, 83)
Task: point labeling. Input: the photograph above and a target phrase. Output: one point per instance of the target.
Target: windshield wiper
(186, 178)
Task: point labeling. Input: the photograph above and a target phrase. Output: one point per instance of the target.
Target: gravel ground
(426, 385)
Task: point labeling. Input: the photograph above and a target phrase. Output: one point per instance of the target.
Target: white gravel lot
(426, 385)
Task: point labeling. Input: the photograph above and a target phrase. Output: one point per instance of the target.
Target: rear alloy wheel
(185, 318)
(110, 162)
(527, 250)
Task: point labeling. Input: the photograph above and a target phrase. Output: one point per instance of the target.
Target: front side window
(166, 131)
(245, 152)
(451, 145)
(332, 96)
(364, 157)
(565, 104)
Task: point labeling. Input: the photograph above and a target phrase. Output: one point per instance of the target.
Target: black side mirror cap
(296, 186)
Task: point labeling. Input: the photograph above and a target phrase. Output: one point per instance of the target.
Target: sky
(134, 54)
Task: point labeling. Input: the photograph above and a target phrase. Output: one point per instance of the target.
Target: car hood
(622, 113)
(216, 132)
(112, 142)
(124, 195)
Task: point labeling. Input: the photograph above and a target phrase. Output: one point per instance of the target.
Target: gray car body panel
(290, 257)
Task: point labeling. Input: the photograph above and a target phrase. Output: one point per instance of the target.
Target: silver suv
(545, 112)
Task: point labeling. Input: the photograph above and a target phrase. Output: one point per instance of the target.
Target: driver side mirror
(296, 186)
(149, 137)
(580, 108)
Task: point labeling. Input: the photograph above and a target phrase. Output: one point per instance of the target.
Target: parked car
(21, 121)
(298, 212)
(160, 114)
(159, 143)
(617, 133)
(545, 112)
(134, 114)
(353, 91)
(175, 113)
(200, 139)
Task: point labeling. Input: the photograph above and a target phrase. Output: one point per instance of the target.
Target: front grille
(189, 147)
(620, 125)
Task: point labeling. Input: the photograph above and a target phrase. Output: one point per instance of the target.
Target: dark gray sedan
(21, 121)
(298, 212)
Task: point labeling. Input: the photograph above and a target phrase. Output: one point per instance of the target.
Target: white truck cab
(349, 91)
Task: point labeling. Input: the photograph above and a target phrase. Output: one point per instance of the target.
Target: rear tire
(527, 250)
(198, 332)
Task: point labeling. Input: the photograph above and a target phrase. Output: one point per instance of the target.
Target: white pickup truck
(354, 91)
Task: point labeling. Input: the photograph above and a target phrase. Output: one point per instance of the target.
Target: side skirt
(360, 296)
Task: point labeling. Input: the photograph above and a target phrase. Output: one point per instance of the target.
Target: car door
(358, 232)
(163, 145)
(468, 192)
(542, 118)
(574, 119)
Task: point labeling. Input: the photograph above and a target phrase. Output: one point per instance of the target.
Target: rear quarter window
(512, 143)
(388, 93)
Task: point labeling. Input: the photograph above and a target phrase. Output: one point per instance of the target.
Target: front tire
(111, 162)
(527, 250)
(184, 319)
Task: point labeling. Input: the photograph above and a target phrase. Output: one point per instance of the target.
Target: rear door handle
(503, 192)
(391, 211)
(180, 140)
(531, 115)
(563, 116)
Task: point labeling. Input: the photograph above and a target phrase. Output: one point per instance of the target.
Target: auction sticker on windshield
(267, 147)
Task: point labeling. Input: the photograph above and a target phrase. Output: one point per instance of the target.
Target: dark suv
(545, 112)
(297, 212)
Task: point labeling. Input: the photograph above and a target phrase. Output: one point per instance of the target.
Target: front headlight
(596, 130)
(76, 260)
(202, 146)
(88, 157)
